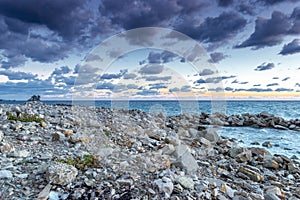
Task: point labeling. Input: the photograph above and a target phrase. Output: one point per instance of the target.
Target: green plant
(107, 132)
(87, 161)
(23, 117)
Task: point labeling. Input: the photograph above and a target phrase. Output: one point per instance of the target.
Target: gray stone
(186, 182)
(61, 174)
(267, 144)
(270, 163)
(165, 185)
(212, 135)
(185, 159)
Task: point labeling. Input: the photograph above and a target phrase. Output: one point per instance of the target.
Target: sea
(285, 142)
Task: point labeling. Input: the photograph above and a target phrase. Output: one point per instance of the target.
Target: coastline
(138, 155)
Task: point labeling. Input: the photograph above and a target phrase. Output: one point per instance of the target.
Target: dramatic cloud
(61, 70)
(151, 69)
(272, 84)
(229, 89)
(284, 90)
(265, 66)
(206, 72)
(67, 18)
(225, 3)
(105, 86)
(114, 76)
(214, 79)
(157, 86)
(159, 58)
(268, 32)
(129, 76)
(259, 90)
(296, 20)
(286, 78)
(217, 29)
(133, 14)
(185, 88)
(18, 75)
(157, 78)
(217, 57)
(148, 92)
(272, 2)
(244, 83)
(291, 48)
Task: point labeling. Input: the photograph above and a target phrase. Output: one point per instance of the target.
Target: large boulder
(61, 173)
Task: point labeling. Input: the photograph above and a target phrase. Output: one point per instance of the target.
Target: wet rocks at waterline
(63, 152)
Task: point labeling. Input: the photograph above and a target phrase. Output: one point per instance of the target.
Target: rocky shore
(68, 152)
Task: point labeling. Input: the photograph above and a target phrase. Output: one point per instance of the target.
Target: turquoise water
(285, 109)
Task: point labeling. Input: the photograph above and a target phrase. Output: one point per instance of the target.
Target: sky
(250, 49)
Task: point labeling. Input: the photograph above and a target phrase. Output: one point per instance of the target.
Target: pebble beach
(73, 152)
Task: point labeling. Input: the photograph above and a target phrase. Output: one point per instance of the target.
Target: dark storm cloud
(225, 3)
(265, 66)
(214, 29)
(13, 60)
(257, 85)
(133, 14)
(295, 16)
(114, 76)
(272, 2)
(268, 32)
(151, 69)
(67, 17)
(157, 78)
(206, 72)
(275, 78)
(18, 75)
(217, 57)
(291, 48)
(272, 84)
(235, 81)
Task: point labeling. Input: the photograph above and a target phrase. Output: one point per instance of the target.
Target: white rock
(53, 196)
(61, 174)
(186, 182)
(5, 174)
(1, 136)
(165, 185)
